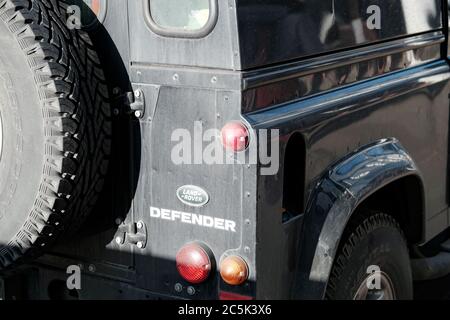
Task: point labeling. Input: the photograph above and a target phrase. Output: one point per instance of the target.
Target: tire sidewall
(382, 248)
(22, 157)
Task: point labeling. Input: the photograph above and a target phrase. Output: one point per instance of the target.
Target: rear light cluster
(194, 263)
(235, 136)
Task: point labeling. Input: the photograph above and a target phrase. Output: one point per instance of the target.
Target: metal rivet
(137, 93)
(214, 79)
(140, 245)
(190, 291)
(140, 225)
(116, 112)
(176, 77)
(178, 287)
(138, 114)
(91, 268)
(119, 240)
(118, 221)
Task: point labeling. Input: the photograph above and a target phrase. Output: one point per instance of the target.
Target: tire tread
(76, 114)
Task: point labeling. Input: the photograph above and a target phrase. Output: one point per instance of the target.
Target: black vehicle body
(363, 120)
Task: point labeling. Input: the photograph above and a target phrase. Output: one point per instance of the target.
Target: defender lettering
(192, 218)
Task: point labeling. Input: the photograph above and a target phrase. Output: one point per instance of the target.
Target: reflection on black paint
(277, 31)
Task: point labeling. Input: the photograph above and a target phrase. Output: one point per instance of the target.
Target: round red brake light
(96, 6)
(193, 263)
(235, 136)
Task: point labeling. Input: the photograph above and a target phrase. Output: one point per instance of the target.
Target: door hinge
(134, 234)
(134, 102)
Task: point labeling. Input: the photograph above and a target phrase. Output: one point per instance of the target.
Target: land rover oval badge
(193, 196)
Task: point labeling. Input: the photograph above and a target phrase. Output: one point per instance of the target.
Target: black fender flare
(334, 199)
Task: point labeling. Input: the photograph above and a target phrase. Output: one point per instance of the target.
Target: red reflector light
(193, 263)
(235, 136)
(96, 6)
(223, 295)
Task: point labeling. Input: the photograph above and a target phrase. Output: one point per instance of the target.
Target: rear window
(182, 18)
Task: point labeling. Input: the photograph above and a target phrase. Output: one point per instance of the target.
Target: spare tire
(54, 127)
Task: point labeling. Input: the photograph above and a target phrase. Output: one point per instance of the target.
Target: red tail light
(235, 136)
(194, 263)
(96, 6)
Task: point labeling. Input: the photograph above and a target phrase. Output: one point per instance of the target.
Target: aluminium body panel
(219, 49)
(171, 223)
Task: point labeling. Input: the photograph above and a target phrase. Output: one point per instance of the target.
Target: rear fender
(334, 200)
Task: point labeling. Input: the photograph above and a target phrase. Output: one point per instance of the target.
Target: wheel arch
(353, 183)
